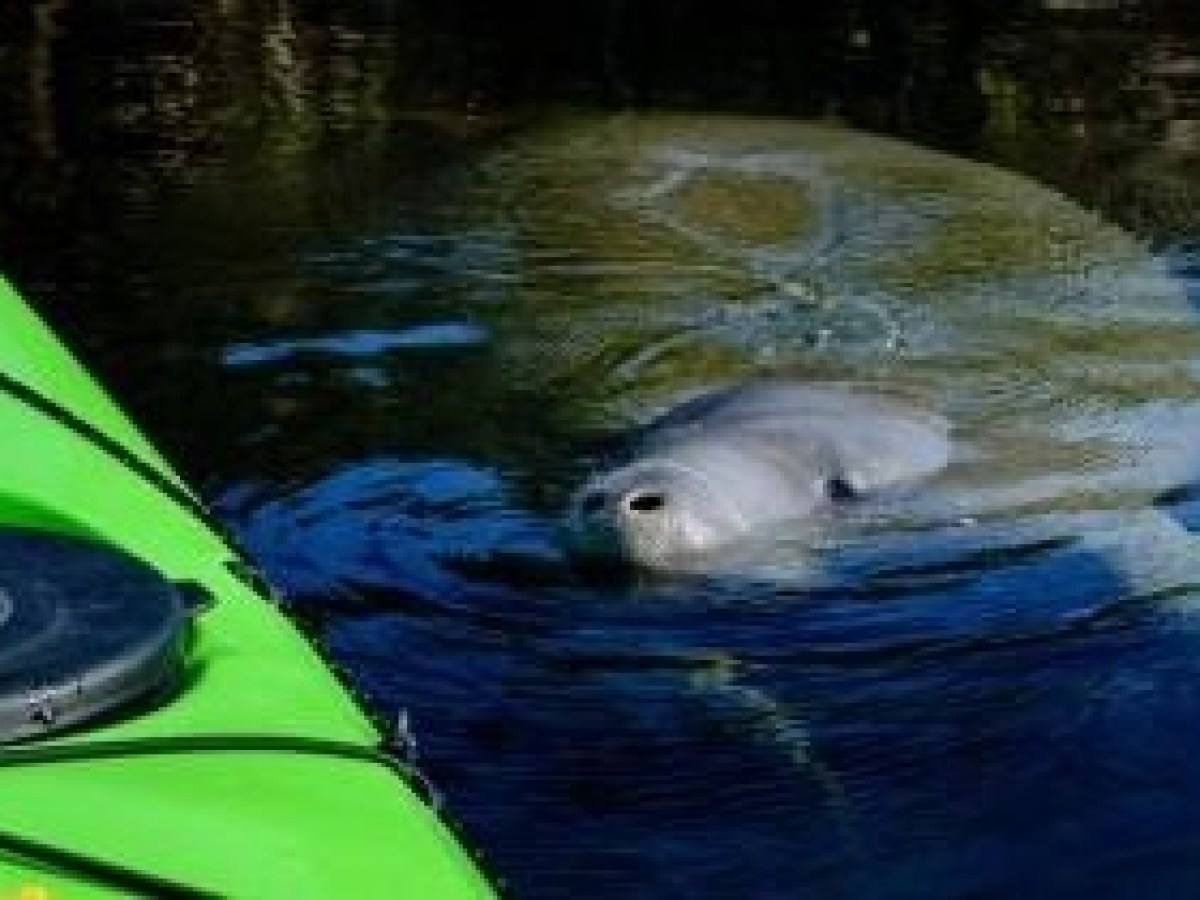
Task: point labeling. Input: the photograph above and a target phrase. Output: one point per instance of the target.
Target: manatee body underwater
(618, 261)
(736, 461)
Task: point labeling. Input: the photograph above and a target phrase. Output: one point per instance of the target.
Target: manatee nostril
(592, 503)
(646, 502)
(840, 489)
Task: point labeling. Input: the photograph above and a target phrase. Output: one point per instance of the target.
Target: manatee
(739, 460)
(618, 259)
(624, 258)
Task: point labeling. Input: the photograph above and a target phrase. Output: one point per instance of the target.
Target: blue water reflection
(400, 525)
(940, 719)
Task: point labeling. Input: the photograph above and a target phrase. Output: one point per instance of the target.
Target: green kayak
(164, 731)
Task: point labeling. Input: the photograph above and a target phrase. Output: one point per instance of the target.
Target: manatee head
(654, 512)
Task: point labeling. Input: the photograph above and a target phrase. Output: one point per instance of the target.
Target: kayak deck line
(67, 751)
(101, 873)
(239, 564)
(114, 448)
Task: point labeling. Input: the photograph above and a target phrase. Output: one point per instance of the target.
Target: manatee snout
(632, 513)
(735, 462)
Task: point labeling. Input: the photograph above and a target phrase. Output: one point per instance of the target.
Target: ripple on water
(395, 523)
(351, 344)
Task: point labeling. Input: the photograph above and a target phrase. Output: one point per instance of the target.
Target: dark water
(358, 269)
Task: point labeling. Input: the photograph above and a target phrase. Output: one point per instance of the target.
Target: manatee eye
(591, 503)
(646, 502)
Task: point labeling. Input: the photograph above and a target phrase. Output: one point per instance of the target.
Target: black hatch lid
(85, 630)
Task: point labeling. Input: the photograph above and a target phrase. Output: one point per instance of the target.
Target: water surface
(932, 698)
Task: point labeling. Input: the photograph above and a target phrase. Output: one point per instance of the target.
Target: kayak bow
(241, 768)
